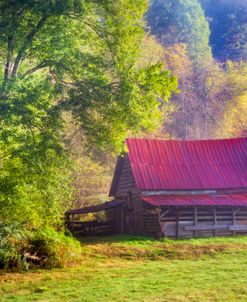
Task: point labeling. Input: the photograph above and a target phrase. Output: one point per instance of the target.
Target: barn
(180, 189)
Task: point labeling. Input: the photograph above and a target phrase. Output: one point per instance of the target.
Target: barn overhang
(104, 225)
(95, 208)
(237, 200)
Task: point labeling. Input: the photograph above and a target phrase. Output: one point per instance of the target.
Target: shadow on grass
(131, 239)
(115, 239)
(140, 247)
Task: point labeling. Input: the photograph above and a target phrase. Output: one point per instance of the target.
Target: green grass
(123, 268)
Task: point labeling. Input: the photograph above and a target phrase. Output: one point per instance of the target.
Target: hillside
(184, 21)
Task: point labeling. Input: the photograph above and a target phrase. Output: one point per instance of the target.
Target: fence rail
(90, 228)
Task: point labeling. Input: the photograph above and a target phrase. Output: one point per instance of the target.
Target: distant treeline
(227, 21)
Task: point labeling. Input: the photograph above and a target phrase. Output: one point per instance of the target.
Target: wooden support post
(234, 220)
(177, 225)
(67, 220)
(195, 221)
(215, 221)
(73, 224)
(158, 211)
(234, 212)
(160, 217)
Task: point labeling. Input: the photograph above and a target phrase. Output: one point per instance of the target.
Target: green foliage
(181, 21)
(107, 124)
(75, 56)
(54, 249)
(46, 248)
(34, 183)
(91, 62)
(120, 99)
(34, 196)
(13, 242)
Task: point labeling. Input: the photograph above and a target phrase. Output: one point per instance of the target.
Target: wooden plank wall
(151, 225)
(203, 222)
(138, 217)
(126, 180)
(115, 215)
(133, 210)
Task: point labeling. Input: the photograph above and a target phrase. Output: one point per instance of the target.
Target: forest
(204, 45)
(78, 77)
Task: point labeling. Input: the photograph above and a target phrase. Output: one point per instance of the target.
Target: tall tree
(202, 96)
(182, 122)
(75, 56)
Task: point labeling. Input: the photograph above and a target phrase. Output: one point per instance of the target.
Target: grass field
(140, 269)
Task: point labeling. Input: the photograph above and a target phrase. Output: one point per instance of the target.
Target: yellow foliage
(235, 118)
(234, 121)
(152, 52)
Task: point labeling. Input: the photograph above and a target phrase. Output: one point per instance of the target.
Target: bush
(45, 248)
(54, 249)
(13, 242)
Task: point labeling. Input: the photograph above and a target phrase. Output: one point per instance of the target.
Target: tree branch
(49, 63)
(8, 62)
(97, 31)
(24, 47)
(37, 67)
(20, 12)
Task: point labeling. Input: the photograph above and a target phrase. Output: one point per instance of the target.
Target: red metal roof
(200, 200)
(182, 165)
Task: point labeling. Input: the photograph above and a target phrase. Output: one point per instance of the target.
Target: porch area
(96, 220)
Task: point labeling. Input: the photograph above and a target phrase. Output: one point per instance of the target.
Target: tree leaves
(177, 21)
(80, 57)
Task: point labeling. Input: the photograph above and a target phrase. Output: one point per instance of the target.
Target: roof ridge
(186, 140)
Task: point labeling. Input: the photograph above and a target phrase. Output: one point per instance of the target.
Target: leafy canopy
(80, 57)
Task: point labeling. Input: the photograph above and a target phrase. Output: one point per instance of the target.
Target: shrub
(46, 248)
(13, 242)
(54, 249)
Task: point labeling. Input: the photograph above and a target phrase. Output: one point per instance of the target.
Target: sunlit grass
(112, 270)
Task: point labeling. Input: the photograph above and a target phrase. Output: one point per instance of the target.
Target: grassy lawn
(140, 269)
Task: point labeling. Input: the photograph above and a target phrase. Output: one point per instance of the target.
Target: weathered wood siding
(151, 226)
(203, 221)
(132, 209)
(115, 215)
(139, 217)
(126, 181)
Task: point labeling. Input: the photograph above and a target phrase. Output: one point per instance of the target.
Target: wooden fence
(90, 228)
